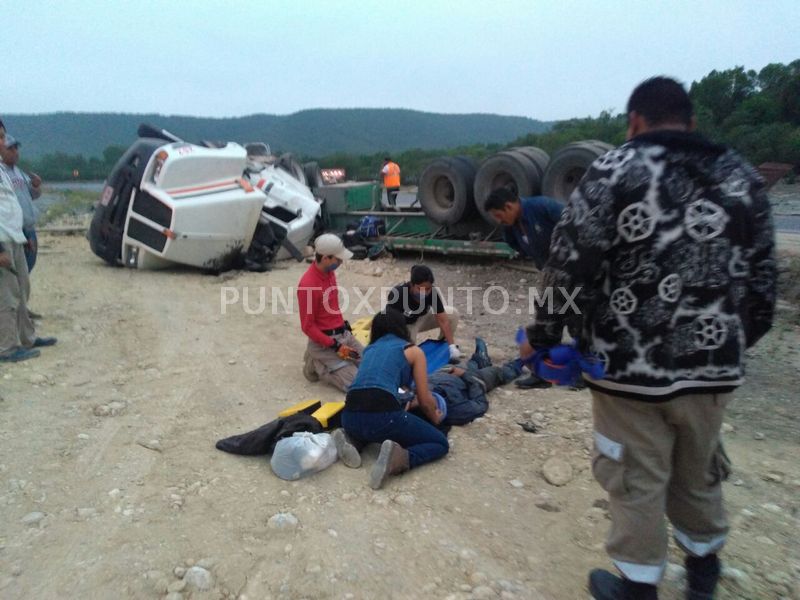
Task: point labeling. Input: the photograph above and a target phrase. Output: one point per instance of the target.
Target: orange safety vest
(391, 178)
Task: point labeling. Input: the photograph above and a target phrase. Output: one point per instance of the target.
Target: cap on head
(329, 244)
(11, 141)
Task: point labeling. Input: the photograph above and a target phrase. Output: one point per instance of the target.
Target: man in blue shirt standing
(528, 225)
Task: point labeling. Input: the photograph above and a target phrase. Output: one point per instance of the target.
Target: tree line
(757, 113)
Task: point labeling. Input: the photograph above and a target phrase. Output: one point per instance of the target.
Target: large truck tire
(445, 190)
(510, 169)
(291, 165)
(313, 175)
(468, 161)
(602, 146)
(568, 165)
(539, 157)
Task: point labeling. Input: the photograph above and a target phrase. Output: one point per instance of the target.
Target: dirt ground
(110, 485)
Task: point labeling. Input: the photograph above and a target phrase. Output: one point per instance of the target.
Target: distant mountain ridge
(316, 132)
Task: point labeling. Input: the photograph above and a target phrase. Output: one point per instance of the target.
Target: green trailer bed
(346, 204)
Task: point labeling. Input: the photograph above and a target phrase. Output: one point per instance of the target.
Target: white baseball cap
(329, 244)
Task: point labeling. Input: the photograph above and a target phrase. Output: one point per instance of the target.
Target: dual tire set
(453, 189)
(308, 174)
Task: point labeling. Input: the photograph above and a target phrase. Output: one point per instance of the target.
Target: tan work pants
(428, 322)
(657, 459)
(329, 367)
(16, 327)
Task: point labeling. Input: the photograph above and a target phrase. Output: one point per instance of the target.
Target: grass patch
(75, 203)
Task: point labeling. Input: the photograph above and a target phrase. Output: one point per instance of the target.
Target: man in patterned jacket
(670, 239)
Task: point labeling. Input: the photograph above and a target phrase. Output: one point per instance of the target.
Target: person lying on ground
(465, 387)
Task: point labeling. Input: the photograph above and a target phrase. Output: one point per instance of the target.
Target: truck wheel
(291, 165)
(539, 157)
(568, 166)
(510, 169)
(602, 146)
(313, 175)
(445, 190)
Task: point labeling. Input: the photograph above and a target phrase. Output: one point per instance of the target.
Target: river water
(52, 192)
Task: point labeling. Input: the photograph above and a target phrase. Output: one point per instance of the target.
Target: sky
(548, 60)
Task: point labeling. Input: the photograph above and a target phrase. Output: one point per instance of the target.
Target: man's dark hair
(387, 322)
(3, 125)
(386, 159)
(661, 100)
(421, 274)
(499, 197)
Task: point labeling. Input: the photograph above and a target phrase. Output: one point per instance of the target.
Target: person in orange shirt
(391, 180)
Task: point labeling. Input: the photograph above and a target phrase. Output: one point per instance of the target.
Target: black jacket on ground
(263, 440)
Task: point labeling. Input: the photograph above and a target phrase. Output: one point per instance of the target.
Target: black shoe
(607, 586)
(481, 356)
(19, 355)
(532, 382)
(41, 342)
(702, 575)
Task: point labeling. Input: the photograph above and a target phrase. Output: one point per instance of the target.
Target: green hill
(316, 132)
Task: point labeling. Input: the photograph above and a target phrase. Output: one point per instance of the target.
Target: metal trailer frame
(410, 230)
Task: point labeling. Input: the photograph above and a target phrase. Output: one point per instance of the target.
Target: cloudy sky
(543, 59)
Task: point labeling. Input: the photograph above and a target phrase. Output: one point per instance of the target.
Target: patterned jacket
(670, 239)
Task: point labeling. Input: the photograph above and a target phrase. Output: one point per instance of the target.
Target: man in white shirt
(18, 339)
(28, 188)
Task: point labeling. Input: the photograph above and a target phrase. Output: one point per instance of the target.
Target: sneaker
(532, 382)
(607, 586)
(309, 372)
(40, 342)
(345, 449)
(481, 356)
(20, 354)
(392, 460)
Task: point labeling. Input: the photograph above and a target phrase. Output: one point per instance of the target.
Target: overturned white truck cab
(170, 202)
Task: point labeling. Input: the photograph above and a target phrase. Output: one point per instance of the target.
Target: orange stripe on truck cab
(200, 188)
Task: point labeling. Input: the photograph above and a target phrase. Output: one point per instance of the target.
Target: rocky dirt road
(110, 486)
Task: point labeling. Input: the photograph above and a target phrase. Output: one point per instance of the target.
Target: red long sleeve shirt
(318, 304)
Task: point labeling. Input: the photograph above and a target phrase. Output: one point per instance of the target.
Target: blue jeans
(31, 248)
(423, 441)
